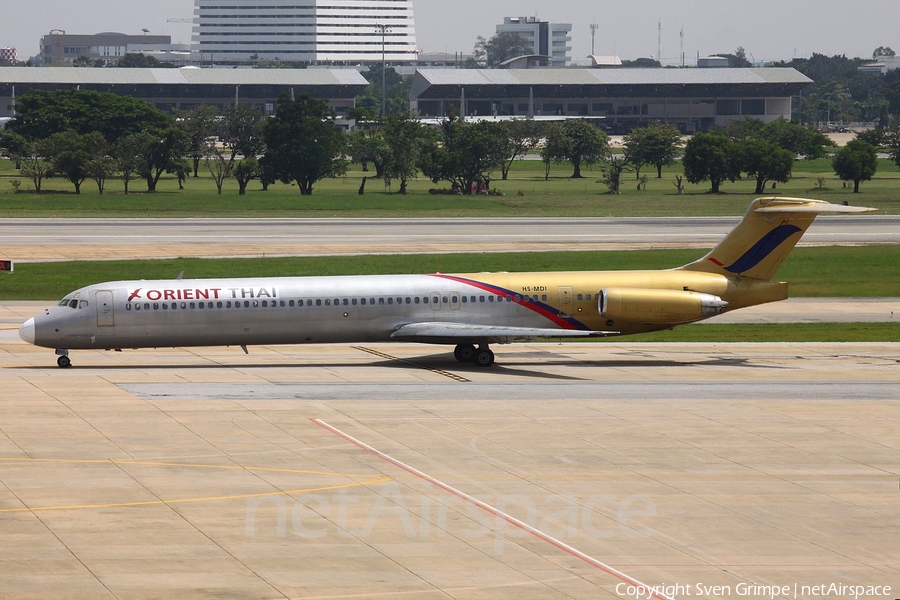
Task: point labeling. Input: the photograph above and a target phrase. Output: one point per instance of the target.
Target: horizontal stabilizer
(803, 205)
(449, 332)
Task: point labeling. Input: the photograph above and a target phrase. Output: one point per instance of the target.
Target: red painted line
(715, 262)
(492, 510)
(499, 291)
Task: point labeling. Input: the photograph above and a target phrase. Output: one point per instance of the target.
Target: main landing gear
(63, 361)
(480, 357)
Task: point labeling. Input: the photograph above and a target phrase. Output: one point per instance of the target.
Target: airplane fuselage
(295, 310)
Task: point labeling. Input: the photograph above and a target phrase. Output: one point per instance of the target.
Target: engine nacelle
(650, 306)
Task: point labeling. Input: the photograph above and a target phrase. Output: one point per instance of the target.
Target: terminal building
(692, 99)
(344, 32)
(189, 87)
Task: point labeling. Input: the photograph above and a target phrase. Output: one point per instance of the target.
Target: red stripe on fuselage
(547, 313)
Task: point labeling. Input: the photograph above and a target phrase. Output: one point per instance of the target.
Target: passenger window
(588, 297)
(291, 303)
(544, 297)
(416, 300)
(353, 302)
(444, 300)
(371, 301)
(465, 299)
(381, 301)
(490, 298)
(155, 306)
(481, 298)
(408, 301)
(425, 299)
(327, 302)
(265, 304)
(345, 302)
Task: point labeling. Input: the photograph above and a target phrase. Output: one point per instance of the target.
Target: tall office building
(312, 31)
(548, 39)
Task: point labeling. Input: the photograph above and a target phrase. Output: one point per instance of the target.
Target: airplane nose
(26, 331)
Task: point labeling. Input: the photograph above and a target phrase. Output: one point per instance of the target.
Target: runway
(391, 471)
(78, 239)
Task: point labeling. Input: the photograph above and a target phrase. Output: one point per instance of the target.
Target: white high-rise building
(313, 31)
(548, 39)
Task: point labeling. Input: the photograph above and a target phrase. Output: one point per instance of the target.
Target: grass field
(526, 193)
(866, 271)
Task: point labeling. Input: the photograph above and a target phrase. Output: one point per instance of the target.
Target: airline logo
(201, 293)
(760, 250)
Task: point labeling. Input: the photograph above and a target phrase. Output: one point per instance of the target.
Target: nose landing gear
(63, 361)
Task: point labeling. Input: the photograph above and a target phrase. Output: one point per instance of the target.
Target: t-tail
(752, 253)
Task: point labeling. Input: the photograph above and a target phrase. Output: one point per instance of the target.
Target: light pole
(383, 30)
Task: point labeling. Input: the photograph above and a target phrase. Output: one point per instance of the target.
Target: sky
(769, 30)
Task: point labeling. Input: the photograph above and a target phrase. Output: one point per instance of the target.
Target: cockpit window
(73, 304)
(64, 302)
(82, 304)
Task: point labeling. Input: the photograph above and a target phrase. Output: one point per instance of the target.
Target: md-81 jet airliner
(469, 311)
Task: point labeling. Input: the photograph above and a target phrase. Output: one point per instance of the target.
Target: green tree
(764, 161)
(303, 144)
(218, 166)
(467, 153)
(501, 47)
(883, 52)
(404, 138)
(35, 166)
(642, 63)
(199, 125)
(142, 61)
(82, 61)
(856, 162)
(244, 171)
(522, 137)
(241, 131)
(162, 155)
(12, 146)
(70, 153)
(612, 172)
(710, 157)
(130, 154)
(582, 144)
(656, 144)
(554, 146)
(40, 114)
(367, 145)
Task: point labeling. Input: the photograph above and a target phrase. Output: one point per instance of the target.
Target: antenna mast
(594, 27)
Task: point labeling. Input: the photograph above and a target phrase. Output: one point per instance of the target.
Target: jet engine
(650, 306)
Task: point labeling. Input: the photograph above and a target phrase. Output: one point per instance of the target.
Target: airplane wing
(437, 333)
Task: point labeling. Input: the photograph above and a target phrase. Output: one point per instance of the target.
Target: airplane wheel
(64, 362)
(464, 353)
(484, 358)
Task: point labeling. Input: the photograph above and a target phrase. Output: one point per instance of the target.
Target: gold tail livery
(468, 311)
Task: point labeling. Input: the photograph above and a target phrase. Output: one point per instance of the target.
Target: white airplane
(470, 311)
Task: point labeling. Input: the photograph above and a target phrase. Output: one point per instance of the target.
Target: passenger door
(105, 314)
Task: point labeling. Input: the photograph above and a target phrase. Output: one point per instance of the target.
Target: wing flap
(455, 332)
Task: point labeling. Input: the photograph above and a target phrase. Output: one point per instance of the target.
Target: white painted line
(495, 511)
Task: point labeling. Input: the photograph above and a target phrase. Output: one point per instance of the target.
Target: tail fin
(766, 235)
